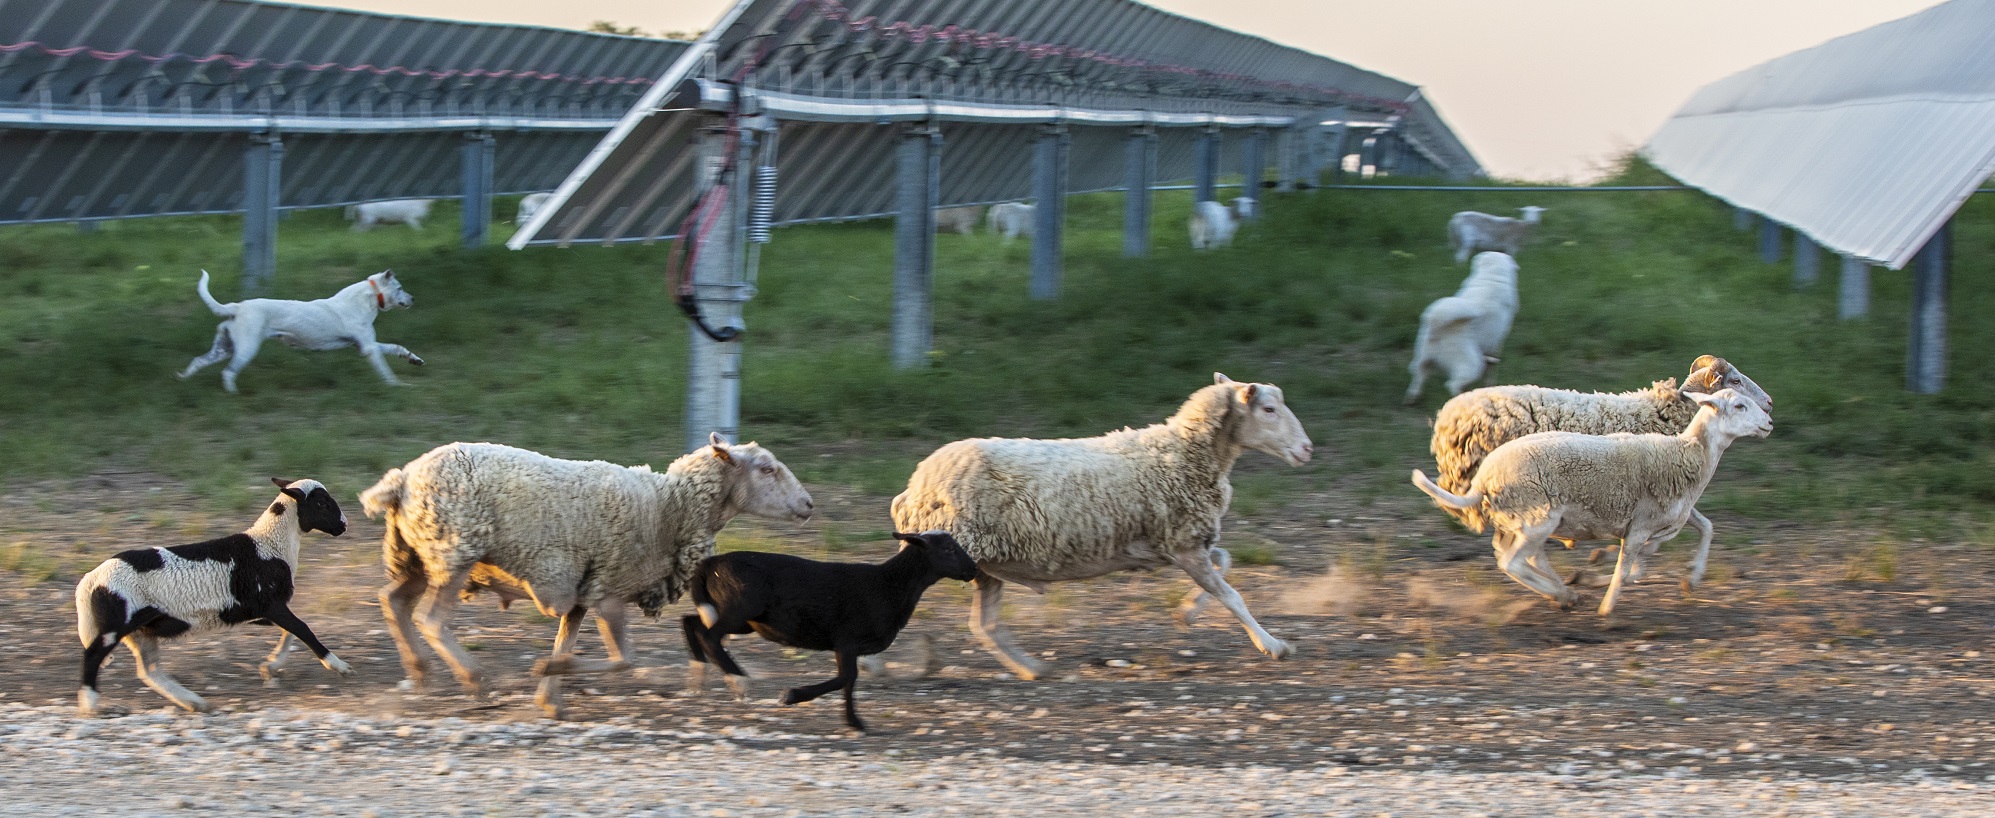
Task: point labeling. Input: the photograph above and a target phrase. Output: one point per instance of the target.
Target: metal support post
(1853, 299)
(1742, 219)
(1926, 364)
(1385, 154)
(1288, 158)
(262, 176)
(1254, 168)
(1340, 145)
(1139, 175)
(1807, 261)
(713, 367)
(1769, 241)
(1049, 214)
(919, 190)
(1205, 170)
(475, 161)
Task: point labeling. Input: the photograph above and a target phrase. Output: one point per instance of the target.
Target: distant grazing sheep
(1462, 333)
(851, 609)
(411, 212)
(148, 594)
(961, 220)
(1010, 219)
(1640, 489)
(1212, 225)
(1469, 231)
(1040, 511)
(530, 206)
(572, 536)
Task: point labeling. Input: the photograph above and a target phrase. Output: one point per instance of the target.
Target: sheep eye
(1268, 409)
(768, 469)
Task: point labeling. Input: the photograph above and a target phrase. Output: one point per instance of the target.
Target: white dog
(411, 212)
(1212, 225)
(344, 320)
(1462, 334)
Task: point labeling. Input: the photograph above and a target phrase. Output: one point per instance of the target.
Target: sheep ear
(1220, 377)
(911, 539)
(1703, 398)
(281, 482)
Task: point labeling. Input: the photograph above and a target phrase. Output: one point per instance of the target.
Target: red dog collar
(380, 298)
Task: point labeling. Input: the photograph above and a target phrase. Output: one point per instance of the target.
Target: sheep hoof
(334, 664)
(1686, 587)
(197, 705)
(791, 696)
(1595, 557)
(1277, 649)
(550, 667)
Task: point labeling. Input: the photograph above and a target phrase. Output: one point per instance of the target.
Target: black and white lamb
(148, 594)
(852, 609)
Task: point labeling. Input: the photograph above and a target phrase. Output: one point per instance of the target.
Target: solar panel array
(121, 108)
(843, 80)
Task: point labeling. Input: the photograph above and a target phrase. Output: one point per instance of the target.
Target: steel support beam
(713, 367)
(1926, 358)
(1769, 241)
(1742, 219)
(1139, 175)
(1049, 214)
(1807, 261)
(1205, 160)
(1853, 298)
(1288, 158)
(1253, 167)
(475, 160)
(919, 186)
(263, 175)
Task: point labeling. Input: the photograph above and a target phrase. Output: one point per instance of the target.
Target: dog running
(344, 320)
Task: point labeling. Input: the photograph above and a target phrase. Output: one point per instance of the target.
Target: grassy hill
(580, 353)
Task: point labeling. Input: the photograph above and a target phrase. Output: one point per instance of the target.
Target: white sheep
(148, 594)
(411, 212)
(531, 205)
(1469, 231)
(571, 535)
(1212, 225)
(1472, 424)
(1010, 219)
(962, 220)
(1040, 511)
(1640, 489)
(1461, 334)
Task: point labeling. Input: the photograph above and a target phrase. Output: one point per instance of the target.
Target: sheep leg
(610, 623)
(986, 614)
(696, 661)
(1199, 564)
(145, 649)
(1626, 568)
(295, 627)
(398, 603)
(94, 655)
(274, 663)
(433, 618)
(552, 668)
(1513, 555)
(1189, 610)
(707, 643)
(1703, 526)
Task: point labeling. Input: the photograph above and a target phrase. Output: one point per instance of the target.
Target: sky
(1538, 89)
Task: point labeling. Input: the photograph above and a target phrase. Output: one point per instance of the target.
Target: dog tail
(216, 307)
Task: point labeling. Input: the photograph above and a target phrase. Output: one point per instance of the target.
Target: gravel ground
(318, 763)
(1818, 672)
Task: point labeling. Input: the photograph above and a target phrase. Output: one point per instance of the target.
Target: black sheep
(850, 608)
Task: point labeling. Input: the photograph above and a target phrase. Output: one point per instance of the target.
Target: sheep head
(763, 486)
(945, 556)
(1710, 373)
(1733, 415)
(1266, 424)
(316, 508)
(1531, 213)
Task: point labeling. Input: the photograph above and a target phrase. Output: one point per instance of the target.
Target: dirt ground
(1807, 654)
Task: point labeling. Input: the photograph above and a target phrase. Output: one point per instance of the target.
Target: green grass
(579, 352)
